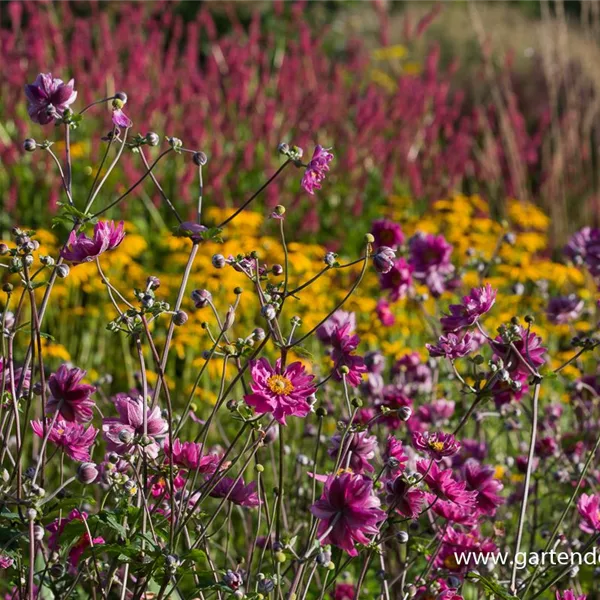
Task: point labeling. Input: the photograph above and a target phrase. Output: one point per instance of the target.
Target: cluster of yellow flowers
(465, 222)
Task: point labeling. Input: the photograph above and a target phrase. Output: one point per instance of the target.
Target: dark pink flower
(119, 118)
(6, 561)
(72, 437)
(343, 591)
(81, 248)
(589, 510)
(452, 347)
(564, 309)
(403, 497)
(394, 456)
(360, 446)
(397, 280)
(336, 321)
(569, 595)
(70, 397)
(393, 399)
(576, 247)
(451, 594)
(48, 98)
(237, 492)
(191, 456)
(348, 511)
(481, 479)
(344, 343)
(57, 527)
(473, 306)
(442, 483)
(387, 233)
(454, 513)
(437, 445)
(384, 314)
(283, 393)
(316, 169)
(430, 261)
(120, 432)
(459, 550)
(529, 348)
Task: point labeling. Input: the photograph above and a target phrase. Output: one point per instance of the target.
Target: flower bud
(279, 210)
(152, 283)
(330, 259)
(121, 96)
(125, 436)
(283, 148)
(87, 473)
(218, 261)
(4, 249)
(29, 145)
(369, 239)
(404, 412)
(7, 287)
(62, 271)
(152, 139)
(259, 334)
(200, 159)
(201, 298)
(229, 318)
(38, 533)
(277, 270)
(268, 312)
(31, 514)
(383, 259)
(180, 318)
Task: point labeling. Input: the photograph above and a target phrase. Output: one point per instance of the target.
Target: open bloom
(348, 511)
(191, 456)
(403, 497)
(443, 485)
(338, 319)
(72, 437)
(360, 447)
(316, 170)
(80, 248)
(119, 118)
(120, 432)
(6, 561)
(387, 233)
(569, 595)
(397, 279)
(394, 456)
(48, 97)
(430, 260)
(70, 397)
(529, 348)
(481, 479)
(437, 445)
(281, 392)
(57, 527)
(589, 509)
(564, 309)
(473, 306)
(237, 492)
(344, 343)
(452, 347)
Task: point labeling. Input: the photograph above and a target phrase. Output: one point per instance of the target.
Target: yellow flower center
(437, 446)
(280, 385)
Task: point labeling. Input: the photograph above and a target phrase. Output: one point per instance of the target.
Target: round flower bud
(283, 148)
(402, 537)
(266, 585)
(87, 473)
(259, 334)
(7, 287)
(47, 261)
(404, 412)
(125, 436)
(180, 318)
(29, 145)
(4, 249)
(277, 270)
(218, 261)
(201, 298)
(330, 259)
(268, 312)
(152, 139)
(122, 96)
(200, 159)
(152, 283)
(28, 260)
(31, 514)
(38, 533)
(383, 259)
(369, 238)
(279, 210)
(62, 271)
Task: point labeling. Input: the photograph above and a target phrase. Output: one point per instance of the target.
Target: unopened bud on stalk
(180, 318)
(62, 271)
(152, 139)
(200, 159)
(268, 312)
(218, 261)
(29, 145)
(87, 473)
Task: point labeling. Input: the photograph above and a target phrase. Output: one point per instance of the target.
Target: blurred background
(417, 99)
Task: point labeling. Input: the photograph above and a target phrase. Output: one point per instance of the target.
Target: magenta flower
(430, 261)
(384, 259)
(529, 348)
(564, 309)
(48, 98)
(453, 513)
(437, 445)
(450, 594)
(237, 492)
(576, 247)
(384, 314)
(57, 527)
(452, 347)
(343, 591)
(348, 511)
(316, 169)
(361, 447)
(387, 233)
(443, 485)
(70, 397)
(569, 595)
(72, 437)
(394, 455)
(191, 456)
(473, 306)
(119, 118)
(403, 497)
(337, 320)
(467, 546)
(397, 280)
(344, 343)
(283, 393)
(80, 248)
(6, 561)
(589, 510)
(481, 479)
(120, 432)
